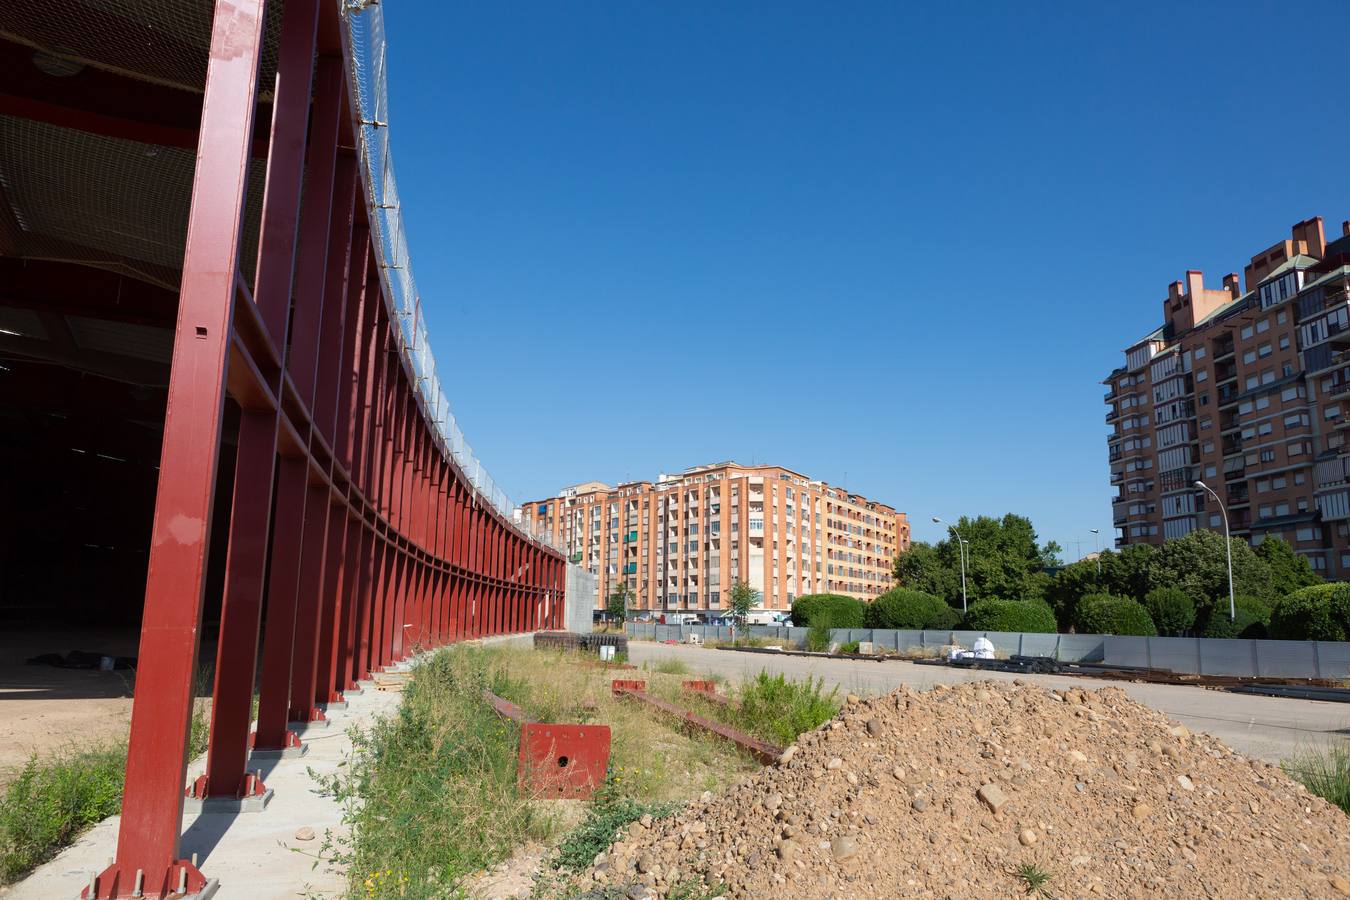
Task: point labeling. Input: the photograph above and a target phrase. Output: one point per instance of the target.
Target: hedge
(1317, 613)
(1033, 616)
(1253, 619)
(1171, 609)
(839, 611)
(906, 608)
(1108, 614)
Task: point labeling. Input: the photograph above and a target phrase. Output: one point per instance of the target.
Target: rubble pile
(947, 793)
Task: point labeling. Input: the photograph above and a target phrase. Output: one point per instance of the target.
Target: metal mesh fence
(363, 23)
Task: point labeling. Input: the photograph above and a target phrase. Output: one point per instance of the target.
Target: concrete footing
(256, 803)
(287, 753)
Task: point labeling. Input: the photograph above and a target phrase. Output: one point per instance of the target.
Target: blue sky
(896, 249)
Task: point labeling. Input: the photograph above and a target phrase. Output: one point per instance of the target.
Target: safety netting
(363, 21)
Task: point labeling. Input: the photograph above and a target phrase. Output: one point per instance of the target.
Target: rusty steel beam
(761, 750)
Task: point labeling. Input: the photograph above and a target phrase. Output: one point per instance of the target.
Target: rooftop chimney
(1345, 228)
(1231, 284)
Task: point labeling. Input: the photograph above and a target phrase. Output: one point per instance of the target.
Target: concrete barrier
(1193, 656)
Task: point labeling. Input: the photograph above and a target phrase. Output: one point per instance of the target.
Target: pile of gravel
(946, 793)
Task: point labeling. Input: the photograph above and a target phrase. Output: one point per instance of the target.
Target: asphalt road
(1270, 728)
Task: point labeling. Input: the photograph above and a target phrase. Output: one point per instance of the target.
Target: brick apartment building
(683, 541)
(1246, 387)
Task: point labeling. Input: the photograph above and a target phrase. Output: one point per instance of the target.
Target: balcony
(1237, 493)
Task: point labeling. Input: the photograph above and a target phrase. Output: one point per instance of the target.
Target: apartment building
(682, 541)
(1243, 387)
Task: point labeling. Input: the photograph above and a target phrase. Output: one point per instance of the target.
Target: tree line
(1015, 583)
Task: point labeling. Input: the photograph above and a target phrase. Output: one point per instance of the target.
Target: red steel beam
(148, 836)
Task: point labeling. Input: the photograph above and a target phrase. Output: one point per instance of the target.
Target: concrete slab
(256, 803)
(254, 856)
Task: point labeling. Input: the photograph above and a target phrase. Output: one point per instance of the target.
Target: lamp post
(1227, 546)
(961, 548)
(1097, 545)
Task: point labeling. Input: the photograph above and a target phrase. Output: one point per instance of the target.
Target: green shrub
(850, 647)
(1171, 609)
(1108, 614)
(778, 710)
(53, 801)
(905, 608)
(945, 619)
(842, 612)
(1253, 619)
(1317, 613)
(1011, 615)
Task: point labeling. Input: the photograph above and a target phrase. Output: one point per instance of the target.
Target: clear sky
(892, 246)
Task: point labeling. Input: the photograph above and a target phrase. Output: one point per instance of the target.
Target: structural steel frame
(349, 514)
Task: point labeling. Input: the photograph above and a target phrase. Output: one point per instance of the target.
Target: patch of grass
(53, 801)
(430, 792)
(1325, 773)
(610, 813)
(778, 710)
(1034, 879)
(671, 667)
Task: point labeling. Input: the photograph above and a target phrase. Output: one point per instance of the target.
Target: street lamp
(1097, 545)
(1228, 546)
(961, 548)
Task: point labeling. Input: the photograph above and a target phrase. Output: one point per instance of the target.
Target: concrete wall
(1194, 656)
(582, 589)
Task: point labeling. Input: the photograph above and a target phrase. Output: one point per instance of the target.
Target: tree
(1289, 571)
(1074, 582)
(1171, 610)
(743, 598)
(1004, 560)
(1252, 619)
(1196, 563)
(619, 601)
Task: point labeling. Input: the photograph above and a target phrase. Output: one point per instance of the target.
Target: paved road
(1266, 727)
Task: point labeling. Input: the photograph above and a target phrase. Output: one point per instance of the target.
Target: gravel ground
(950, 792)
(1267, 728)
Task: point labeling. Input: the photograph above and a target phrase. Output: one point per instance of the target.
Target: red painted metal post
(287, 531)
(330, 619)
(148, 837)
(250, 520)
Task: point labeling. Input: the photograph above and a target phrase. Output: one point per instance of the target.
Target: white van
(767, 617)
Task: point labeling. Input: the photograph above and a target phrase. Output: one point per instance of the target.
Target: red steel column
(251, 517)
(152, 805)
(294, 500)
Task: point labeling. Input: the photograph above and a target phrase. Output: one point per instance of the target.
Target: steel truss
(349, 513)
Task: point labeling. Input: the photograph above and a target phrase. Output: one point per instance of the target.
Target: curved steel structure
(359, 516)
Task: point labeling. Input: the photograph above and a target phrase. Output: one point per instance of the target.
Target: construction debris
(946, 793)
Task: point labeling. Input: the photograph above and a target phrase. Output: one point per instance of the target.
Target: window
(1264, 350)
(1249, 356)
(1207, 447)
(1199, 352)
(1281, 318)
(1246, 331)
(1263, 326)
(1202, 375)
(1284, 342)
(1267, 456)
(1253, 381)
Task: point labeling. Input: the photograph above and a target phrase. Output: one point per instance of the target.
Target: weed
(53, 801)
(610, 812)
(1033, 878)
(779, 710)
(818, 636)
(672, 667)
(1325, 773)
(430, 792)
(850, 647)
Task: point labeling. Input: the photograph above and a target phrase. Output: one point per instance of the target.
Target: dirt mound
(946, 793)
